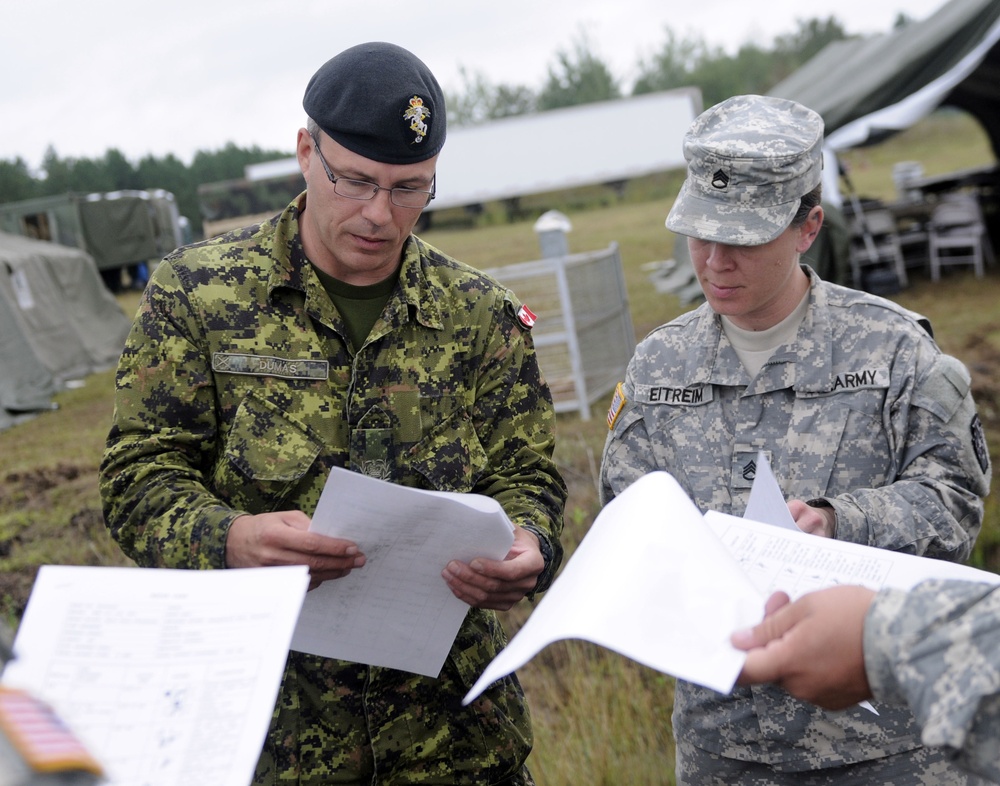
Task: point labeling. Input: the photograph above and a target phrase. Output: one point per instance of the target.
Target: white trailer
(603, 142)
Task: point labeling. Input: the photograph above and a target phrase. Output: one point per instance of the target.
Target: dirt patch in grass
(32, 485)
(49, 515)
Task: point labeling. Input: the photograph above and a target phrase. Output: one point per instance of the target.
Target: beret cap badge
(416, 118)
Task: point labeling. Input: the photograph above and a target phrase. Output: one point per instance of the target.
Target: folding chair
(875, 244)
(957, 235)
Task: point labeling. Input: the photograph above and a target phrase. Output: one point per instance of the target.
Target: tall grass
(598, 718)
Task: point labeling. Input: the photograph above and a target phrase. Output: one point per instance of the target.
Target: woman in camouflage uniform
(869, 428)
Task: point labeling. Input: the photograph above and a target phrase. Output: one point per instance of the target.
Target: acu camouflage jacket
(862, 412)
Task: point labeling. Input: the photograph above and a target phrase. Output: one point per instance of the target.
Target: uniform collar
(806, 365)
(812, 351)
(293, 271)
(289, 256)
(417, 292)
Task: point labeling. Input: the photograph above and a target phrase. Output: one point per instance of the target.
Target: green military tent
(58, 322)
(116, 228)
(869, 88)
(26, 386)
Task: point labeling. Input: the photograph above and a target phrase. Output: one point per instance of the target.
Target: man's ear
(303, 152)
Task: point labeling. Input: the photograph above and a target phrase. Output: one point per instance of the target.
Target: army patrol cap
(379, 101)
(750, 160)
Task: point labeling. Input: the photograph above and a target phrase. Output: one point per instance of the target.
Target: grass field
(600, 719)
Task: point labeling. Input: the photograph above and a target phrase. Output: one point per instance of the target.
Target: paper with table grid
(167, 677)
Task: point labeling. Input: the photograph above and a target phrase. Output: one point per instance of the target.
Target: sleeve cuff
(547, 575)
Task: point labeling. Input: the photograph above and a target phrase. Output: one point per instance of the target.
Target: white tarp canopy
(602, 142)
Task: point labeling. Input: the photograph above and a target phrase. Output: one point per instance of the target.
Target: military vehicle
(119, 229)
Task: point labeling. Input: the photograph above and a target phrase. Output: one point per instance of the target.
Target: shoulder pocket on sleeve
(945, 388)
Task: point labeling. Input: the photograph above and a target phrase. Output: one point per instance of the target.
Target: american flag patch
(44, 742)
(617, 402)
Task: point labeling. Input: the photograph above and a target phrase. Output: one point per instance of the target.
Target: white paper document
(766, 502)
(796, 562)
(396, 611)
(168, 677)
(651, 582)
(658, 582)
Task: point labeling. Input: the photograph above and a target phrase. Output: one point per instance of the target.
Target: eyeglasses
(363, 189)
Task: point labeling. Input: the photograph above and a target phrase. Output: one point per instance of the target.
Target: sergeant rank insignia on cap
(416, 115)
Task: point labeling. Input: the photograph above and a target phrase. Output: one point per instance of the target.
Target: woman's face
(756, 286)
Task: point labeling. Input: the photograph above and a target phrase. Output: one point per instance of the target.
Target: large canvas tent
(26, 386)
(58, 322)
(869, 88)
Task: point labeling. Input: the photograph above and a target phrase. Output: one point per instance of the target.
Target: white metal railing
(584, 335)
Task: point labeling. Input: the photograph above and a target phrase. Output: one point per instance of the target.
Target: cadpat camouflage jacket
(864, 413)
(236, 393)
(937, 648)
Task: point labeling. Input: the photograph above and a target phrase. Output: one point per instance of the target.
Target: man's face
(356, 241)
(755, 286)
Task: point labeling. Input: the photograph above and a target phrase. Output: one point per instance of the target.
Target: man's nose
(378, 209)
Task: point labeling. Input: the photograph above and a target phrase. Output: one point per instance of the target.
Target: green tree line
(114, 172)
(576, 75)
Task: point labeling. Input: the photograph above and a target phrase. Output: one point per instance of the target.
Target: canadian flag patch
(525, 316)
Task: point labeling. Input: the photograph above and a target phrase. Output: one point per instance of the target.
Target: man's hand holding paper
(498, 584)
(399, 611)
(283, 538)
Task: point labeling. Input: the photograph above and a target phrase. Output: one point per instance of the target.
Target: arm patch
(617, 405)
(945, 388)
(979, 445)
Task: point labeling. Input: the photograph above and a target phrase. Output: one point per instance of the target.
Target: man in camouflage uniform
(870, 429)
(936, 648)
(330, 336)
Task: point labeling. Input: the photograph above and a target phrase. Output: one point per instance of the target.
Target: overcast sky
(154, 77)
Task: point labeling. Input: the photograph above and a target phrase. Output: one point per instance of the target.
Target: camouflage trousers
(343, 723)
(919, 767)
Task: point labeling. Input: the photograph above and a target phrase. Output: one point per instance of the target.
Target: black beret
(379, 101)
